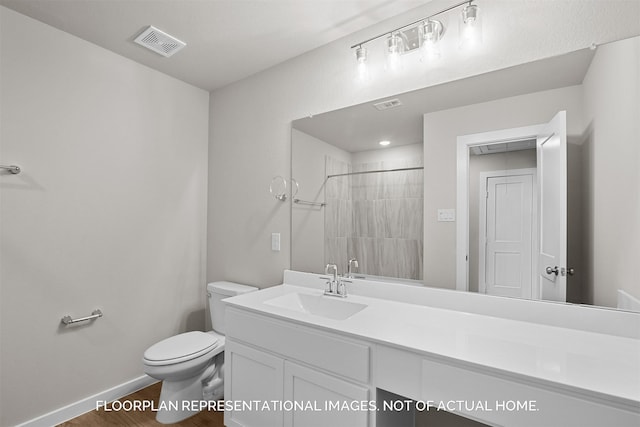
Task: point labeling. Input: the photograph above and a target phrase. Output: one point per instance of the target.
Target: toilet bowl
(191, 365)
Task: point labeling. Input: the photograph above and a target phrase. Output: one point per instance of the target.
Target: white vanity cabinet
(282, 364)
(495, 370)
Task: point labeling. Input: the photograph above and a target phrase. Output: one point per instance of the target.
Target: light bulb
(395, 47)
(470, 27)
(363, 68)
(430, 32)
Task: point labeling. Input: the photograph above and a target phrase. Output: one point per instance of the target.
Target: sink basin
(319, 305)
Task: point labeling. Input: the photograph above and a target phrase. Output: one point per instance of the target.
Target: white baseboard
(89, 404)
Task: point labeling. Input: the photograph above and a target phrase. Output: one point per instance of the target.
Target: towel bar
(304, 202)
(67, 320)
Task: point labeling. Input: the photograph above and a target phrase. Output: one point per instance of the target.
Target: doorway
(547, 267)
(506, 223)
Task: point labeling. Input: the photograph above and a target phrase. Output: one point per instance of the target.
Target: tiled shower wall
(376, 218)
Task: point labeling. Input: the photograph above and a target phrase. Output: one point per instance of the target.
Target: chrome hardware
(278, 188)
(335, 286)
(561, 271)
(13, 169)
(335, 271)
(67, 320)
(353, 263)
(305, 202)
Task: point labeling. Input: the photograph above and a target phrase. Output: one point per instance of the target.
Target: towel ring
(278, 188)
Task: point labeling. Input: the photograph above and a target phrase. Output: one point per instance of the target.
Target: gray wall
(109, 211)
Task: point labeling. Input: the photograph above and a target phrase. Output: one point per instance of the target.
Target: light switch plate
(275, 242)
(446, 215)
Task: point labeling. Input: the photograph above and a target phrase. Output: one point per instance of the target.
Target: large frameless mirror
(399, 209)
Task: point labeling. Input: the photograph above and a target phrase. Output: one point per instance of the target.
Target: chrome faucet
(335, 287)
(353, 263)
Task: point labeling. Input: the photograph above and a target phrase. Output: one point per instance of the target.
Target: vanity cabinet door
(323, 400)
(254, 378)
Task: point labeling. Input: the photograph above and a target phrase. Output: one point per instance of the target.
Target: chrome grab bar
(67, 320)
(13, 169)
(305, 202)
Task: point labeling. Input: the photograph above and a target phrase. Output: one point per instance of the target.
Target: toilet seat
(180, 348)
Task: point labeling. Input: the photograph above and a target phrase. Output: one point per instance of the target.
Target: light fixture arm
(469, 2)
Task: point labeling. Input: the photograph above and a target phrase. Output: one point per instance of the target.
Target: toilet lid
(181, 346)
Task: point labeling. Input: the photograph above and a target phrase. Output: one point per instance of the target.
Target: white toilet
(190, 365)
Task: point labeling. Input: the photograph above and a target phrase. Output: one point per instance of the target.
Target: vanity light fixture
(428, 32)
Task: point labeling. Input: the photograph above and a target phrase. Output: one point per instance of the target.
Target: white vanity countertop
(599, 365)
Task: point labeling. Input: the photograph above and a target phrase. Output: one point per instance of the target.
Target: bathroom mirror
(598, 89)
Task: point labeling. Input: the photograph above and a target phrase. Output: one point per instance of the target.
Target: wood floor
(142, 418)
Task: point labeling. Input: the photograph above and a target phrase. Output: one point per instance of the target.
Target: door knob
(553, 270)
(571, 271)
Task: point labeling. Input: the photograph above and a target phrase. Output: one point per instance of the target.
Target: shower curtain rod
(376, 171)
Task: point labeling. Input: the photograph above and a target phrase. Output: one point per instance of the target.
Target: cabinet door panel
(323, 400)
(252, 377)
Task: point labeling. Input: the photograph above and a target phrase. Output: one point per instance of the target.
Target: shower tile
(389, 257)
(411, 211)
(335, 252)
(410, 259)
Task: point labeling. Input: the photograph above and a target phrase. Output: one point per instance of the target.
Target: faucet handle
(342, 289)
(353, 263)
(328, 286)
(331, 266)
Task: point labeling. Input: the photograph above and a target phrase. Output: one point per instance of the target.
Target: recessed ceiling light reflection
(384, 143)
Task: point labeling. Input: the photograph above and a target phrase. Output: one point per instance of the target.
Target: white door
(551, 148)
(506, 246)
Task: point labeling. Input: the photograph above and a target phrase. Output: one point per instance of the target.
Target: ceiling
(361, 127)
(227, 40)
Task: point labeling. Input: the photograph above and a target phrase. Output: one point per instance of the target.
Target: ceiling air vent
(159, 41)
(389, 103)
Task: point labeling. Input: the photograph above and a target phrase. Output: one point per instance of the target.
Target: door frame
(482, 218)
(464, 144)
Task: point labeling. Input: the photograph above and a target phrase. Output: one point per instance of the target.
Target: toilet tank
(217, 291)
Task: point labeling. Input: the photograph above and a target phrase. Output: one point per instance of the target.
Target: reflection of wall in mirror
(441, 130)
(308, 169)
(375, 218)
(611, 169)
(603, 177)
